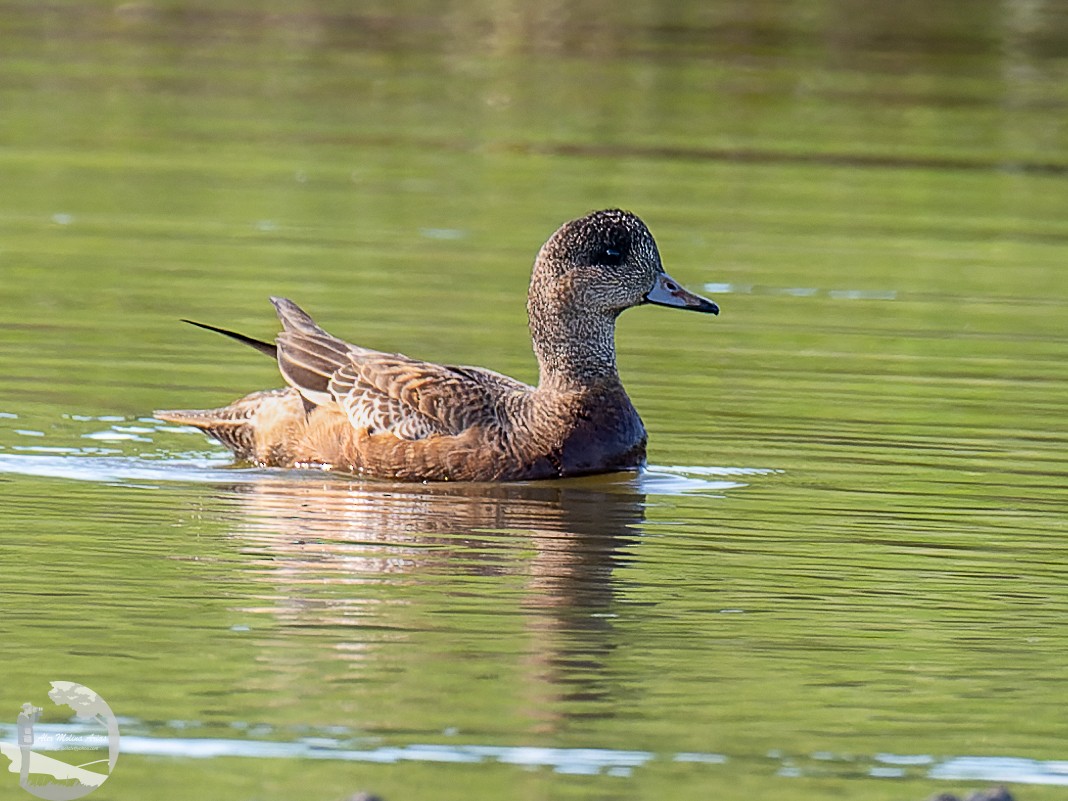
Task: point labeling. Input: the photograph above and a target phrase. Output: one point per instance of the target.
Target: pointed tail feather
(261, 427)
(236, 434)
(263, 347)
(198, 418)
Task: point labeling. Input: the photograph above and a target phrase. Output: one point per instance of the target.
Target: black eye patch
(610, 257)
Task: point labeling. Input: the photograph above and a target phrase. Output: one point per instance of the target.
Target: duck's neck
(575, 351)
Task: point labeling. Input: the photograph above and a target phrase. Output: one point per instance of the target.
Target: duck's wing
(385, 392)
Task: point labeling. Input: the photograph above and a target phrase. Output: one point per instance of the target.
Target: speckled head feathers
(597, 265)
(608, 238)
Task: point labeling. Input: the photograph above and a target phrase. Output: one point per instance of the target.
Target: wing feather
(308, 362)
(385, 392)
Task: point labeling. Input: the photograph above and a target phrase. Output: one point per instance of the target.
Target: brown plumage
(387, 415)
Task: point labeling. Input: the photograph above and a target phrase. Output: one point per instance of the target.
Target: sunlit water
(845, 571)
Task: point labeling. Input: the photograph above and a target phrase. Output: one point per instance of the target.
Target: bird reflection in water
(361, 562)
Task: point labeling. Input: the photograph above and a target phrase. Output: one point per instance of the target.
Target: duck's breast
(604, 434)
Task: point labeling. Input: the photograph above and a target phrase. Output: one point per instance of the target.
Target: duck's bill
(667, 292)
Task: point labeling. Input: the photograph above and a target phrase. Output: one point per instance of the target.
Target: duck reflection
(376, 558)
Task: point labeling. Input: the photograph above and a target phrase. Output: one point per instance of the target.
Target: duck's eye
(610, 257)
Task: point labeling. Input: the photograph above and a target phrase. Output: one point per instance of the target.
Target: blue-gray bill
(667, 292)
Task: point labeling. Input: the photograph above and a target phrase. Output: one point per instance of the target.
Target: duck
(382, 415)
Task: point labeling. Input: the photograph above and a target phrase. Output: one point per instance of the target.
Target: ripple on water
(685, 480)
(105, 462)
(343, 745)
(76, 465)
(91, 464)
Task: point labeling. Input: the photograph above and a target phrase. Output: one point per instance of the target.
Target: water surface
(844, 572)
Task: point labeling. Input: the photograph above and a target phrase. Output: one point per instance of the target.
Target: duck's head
(604, 263)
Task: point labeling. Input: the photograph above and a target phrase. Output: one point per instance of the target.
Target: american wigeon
(383, 414)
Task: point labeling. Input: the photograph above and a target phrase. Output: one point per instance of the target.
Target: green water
(845, 573)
